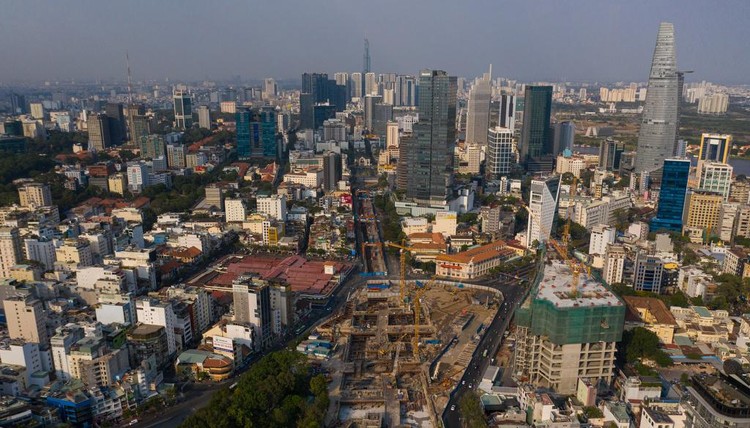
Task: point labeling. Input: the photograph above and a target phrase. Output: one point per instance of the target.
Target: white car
(453, 407)
(463, 382)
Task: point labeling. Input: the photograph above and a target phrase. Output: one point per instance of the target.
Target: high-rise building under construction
(567, 331)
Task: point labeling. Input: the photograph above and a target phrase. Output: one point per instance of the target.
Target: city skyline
(600, 41)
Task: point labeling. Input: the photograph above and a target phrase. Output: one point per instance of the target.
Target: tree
(642, 343)
(593, 412)
(621, 218)
(471, 410)
(567, 178)
(469, 218)
(586, 176)
(622, 183)
(383, 181)
(273, 393)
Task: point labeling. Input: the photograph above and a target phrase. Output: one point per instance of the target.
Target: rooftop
(305, 276)
(478, 254)
(618, 410)
(655, 307)
(657, 416)
(145, 330)
(557, 288)
(728, 395)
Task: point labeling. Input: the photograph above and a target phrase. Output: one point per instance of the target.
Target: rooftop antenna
(130, 84)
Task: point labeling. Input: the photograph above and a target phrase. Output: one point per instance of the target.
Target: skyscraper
(715, 177)
(406, 91)
(269, 145)
(672, 195)
(137, 123)
(430, 156)
(658, 133)
(183, 109)
(306, 110)
(382, 114)
(370, 102)
(17, 104)
(478, 118)
(98, 128)
(610, 154)
(342, 80)
(269, 88)
(204, 117)
(567, 333)
(366, 65)
(542, 207)
(356, 85)
(256, 133)
(371, 84)
(317, 85)
(536, 138)
(116, 118)
(715, 147)
(508, 112)
(318, 89)
(564, 138)
(500, 156)
(248, 133)
(252, 304)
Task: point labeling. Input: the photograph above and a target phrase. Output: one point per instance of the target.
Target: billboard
(225, 344)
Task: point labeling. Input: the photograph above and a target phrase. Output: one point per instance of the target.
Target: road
(490, 342)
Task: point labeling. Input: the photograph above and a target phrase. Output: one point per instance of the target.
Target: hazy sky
(528, 40)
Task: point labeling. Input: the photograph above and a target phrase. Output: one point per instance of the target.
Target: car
(453, 407)
(463, 382)
(133, 422)
(471, 386)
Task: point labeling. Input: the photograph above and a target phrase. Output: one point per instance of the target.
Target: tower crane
(576, 266)
(569, 213)
(402, 278)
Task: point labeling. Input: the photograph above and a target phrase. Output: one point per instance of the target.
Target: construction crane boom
(569, 213)
(402, 279)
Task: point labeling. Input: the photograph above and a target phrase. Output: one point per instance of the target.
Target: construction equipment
(402, 279)
(418, 292)
(569, 213)
(562, 247)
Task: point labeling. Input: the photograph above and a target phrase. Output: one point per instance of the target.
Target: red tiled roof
(242, 166)
(307, 276)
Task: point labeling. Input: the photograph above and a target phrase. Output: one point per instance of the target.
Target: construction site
(400, 347)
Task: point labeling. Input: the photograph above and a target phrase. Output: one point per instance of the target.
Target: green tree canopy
(641, 343)
(277, 391)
